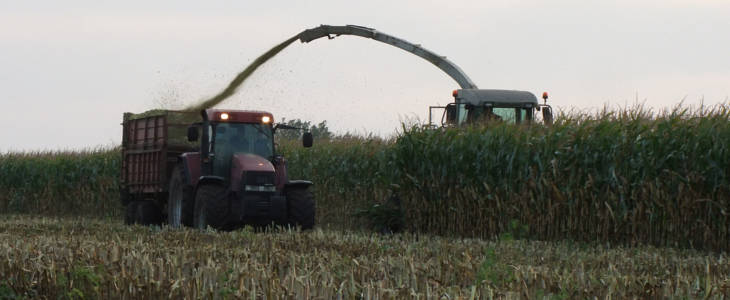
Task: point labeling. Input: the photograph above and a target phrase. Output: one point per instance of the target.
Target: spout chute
(441, 62)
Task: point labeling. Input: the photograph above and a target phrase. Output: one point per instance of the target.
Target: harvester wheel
(143, 213)
(300, 208)
(180, 202)
(211, 207)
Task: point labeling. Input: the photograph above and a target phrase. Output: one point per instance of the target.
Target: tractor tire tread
(210, 199)
(301, 208)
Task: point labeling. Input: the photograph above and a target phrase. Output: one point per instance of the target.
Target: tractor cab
(237, 177)
(473, 106)
(231, 137)
(227, 134)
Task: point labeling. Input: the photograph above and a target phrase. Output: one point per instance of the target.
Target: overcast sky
(69, 69)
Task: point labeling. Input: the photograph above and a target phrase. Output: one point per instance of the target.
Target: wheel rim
(174, 212)
(200, 218)
(139, 214)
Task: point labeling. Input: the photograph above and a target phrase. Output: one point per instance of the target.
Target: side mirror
(307, 139)
(192, 134)
(547, 115)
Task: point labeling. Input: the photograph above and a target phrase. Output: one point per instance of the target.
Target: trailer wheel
(211, 207)
(300, 208)
(180, 202)
(143, 213)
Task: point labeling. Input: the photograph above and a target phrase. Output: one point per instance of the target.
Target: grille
(258, 178)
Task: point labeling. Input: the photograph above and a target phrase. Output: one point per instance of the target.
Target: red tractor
(224, 173)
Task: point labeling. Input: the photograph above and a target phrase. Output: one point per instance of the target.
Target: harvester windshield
(464, 113)
(231, 138)
(511, 115)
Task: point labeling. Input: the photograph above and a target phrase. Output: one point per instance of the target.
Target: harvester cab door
(454, 114)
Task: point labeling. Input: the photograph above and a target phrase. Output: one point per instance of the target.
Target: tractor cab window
(233, 138)
(210, 138)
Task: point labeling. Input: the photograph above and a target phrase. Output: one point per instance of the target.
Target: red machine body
(229, 177)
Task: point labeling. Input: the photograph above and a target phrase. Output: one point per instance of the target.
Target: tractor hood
(256, 170)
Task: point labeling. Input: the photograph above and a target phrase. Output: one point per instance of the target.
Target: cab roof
(497, 97)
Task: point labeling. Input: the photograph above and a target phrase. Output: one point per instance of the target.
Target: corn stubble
(67, 258)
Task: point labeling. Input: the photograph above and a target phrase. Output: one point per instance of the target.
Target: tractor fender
(206, 180)
(298, 184)
(191, 167)
(210, 180)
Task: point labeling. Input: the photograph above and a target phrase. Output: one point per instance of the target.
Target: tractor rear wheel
(180, 200)
(300, 208)
(143, 212)
(211, 207)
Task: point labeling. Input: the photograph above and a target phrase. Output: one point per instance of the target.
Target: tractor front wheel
(300, 208)
(211, 207)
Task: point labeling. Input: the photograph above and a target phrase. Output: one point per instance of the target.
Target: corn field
(622, 177)
(53, 258)
(61, 183)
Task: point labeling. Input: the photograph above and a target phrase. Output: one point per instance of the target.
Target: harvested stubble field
(93, 258)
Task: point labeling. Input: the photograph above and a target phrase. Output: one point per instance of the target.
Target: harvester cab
(473, 106)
